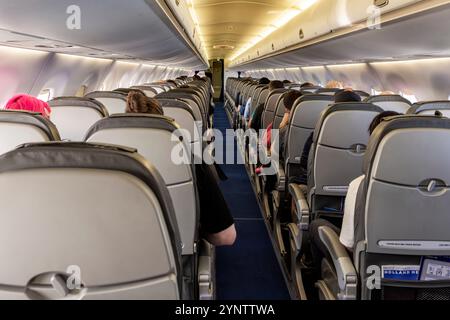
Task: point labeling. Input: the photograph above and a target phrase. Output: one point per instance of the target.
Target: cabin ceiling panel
(227, 26)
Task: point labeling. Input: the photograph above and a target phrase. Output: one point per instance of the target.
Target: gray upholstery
(115, 102)
(327, 91)
(193, 101)
(419, 196)
(104, 209)
(148, 90)
(391, 103)
(74, 116)
(270, 107)
(152, 137)
(304, 116)
(17, 127)
(255, 96)
(340, 139)
(430, 107)
(186, 117)
(279, 112)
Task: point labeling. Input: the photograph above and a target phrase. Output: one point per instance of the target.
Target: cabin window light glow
(375, 92)
(281, 20)
(45, 95)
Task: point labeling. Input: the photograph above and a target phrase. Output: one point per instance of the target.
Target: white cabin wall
(30, 72)
(18, 71)
(425, 79)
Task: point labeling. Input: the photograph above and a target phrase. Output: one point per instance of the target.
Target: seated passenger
(333, 84)
(347, 232)
(238, 108)
(289, 100)
(256, 118)
(306, 85)
(216, 222)
(24, 102)
(342, 96)
(138, 102)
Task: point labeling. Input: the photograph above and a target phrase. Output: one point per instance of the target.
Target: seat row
(341, 145)
(109, 202)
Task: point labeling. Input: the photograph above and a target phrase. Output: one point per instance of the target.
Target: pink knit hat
(28, 103)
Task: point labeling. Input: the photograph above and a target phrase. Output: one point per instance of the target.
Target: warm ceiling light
(281, 20)
(223, 46)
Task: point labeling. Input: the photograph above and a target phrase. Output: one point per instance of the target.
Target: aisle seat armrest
(346, 272)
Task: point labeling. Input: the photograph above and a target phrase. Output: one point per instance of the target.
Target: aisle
(249, 269)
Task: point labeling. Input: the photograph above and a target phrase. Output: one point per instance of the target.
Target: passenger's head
(333, 84)
(346, 96)
(379, 118)
(24, 102)
(273, 85)
(286, 82)
(306, 85)
(197, 77)
(137, 102)
(289, 99)
(263, 81)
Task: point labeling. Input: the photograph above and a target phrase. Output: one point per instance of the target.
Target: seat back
(17, 127)
(255, 97)
(327, 91)
(152, 137)
(101, 210)
(114, 101)
(270, 106)
(391, 103)
(340, 141)
(304, 117)
(192, 100)
(429, 108)
(402, 211)
(74, 116)
(185, 117)
(279, 112)
(149, 91)
(364, 95)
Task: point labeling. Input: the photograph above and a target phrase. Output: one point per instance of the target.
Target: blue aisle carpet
(248, 270)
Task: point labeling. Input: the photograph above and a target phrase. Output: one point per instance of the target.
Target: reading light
(285, 17)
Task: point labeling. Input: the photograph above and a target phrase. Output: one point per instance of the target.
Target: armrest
(281, 179)
(298, 193)
(206, 271)
(347, 276)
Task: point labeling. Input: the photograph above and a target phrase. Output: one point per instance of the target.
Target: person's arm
(347, 236)
(216, 222)
(224, 238)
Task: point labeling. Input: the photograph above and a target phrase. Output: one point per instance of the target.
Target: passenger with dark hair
(346, 95)
(255, 119)
(264, 81)
(306, 85)
(347, 232)
(216, 222)
(289, 100)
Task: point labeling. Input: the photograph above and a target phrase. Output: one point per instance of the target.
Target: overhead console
(135, 31)
(328, 20)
